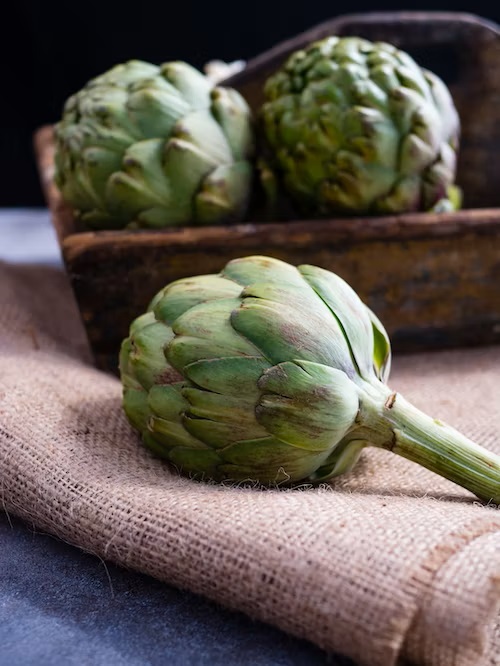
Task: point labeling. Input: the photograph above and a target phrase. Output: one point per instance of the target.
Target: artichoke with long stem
(276, 374)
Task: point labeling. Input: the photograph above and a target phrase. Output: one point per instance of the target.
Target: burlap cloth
(389, 565)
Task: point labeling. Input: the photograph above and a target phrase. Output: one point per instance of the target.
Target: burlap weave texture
(390, 564)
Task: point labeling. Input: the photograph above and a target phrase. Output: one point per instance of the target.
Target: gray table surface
(61, 606)
(27, 236)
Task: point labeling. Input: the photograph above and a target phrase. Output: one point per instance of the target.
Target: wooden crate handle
(404, 29)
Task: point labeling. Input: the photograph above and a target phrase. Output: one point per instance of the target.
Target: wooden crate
(433, 279)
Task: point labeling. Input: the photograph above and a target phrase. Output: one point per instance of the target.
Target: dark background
(48, 50)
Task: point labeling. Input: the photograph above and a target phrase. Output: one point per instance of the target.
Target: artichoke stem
(442, 449)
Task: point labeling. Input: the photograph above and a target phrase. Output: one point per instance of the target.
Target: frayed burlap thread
(388, 565)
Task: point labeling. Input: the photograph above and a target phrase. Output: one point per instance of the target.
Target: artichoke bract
(275, 374)
(154, 146)
(358, 127)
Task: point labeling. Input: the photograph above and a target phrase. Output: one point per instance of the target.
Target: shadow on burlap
(388, 565)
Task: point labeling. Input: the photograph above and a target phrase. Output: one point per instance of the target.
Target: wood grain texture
(433, 279)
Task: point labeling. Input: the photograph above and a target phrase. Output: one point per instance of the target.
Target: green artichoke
(275, 374)
(154, 146)
(356, 127)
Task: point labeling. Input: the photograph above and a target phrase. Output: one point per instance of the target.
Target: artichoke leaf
(342, 460)
(327, 395)
(147, 356)
(125, 74)
(416, 154)
(406, 194)
(202, 130)
(142, 161)
(223, 194)
(269, 460)
(205, 332)
(211, 321)
(172, 434)
(220, 434)
(126, 373)
(100, 219)
(142, 183)
(98, 163)
(234, 375)
(233, 117)
(381, 348)
(186, 166)
(180, 296)
(155, 109)
(282, 333)
(185, 349)
(195, 464)
(158, 217)
(156, 447)
(141, 321)
(412, 77)
(248, 270)
(216, 407)
(350, 312)
(192, 84)
(135, 404)
(167, 401)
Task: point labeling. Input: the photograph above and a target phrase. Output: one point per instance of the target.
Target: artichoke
(154, 146)
(275, 374)
(357, 127)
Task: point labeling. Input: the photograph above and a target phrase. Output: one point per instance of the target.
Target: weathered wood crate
(433, 279)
